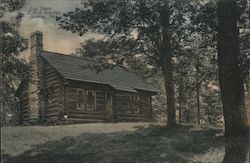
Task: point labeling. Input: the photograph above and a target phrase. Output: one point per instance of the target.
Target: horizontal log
(53, 105)
(130, 115)
(71, 94)
(57, 94)
(77, 120)
(52, 77)
(55, 85)
(131, 119)
(101, 109)
(55, 99)
(49, 115)
(99, 103)
(88, 116)
(52, 111)
(86, 112)
(46, 66)
(100, 93)
(100, 99)
(49, 72)
(71, 90)
(122, 103)
(51, 82)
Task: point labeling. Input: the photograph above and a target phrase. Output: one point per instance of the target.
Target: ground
(111, 142)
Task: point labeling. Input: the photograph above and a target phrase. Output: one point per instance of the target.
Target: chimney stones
(36, 100)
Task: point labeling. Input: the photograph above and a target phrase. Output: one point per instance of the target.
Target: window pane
(90, 100)
(80, 99)
(136, 104)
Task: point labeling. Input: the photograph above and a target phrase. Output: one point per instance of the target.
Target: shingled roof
(88, 70)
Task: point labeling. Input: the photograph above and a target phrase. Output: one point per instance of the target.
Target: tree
(147, 23)
(231, 82)
(115, 52)
(12, 5)
(196, 65)
(134, 28)
(13, 69)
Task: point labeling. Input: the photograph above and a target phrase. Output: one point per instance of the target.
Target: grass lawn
(117, 143)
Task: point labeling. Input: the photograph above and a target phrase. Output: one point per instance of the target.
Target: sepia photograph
(125, 81)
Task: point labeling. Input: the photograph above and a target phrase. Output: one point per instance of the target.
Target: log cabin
(74, 89)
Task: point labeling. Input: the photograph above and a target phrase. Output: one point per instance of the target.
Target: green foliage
(118, 53)
(133, 33)
(13, 69)
(135, 24)
(244, 35)
(12, 5)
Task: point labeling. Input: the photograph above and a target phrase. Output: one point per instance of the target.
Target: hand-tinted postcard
(125, 81)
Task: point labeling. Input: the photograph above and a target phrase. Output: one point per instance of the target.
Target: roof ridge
(91, 59)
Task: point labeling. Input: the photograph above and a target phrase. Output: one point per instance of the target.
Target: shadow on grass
(152, 144)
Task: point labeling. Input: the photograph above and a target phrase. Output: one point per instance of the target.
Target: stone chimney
(36, 44)
(36, 100)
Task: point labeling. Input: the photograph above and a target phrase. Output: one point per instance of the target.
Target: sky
(39, 15)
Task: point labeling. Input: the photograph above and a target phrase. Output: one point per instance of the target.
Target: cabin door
(109, 103)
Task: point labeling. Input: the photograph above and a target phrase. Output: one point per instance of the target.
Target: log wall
(125, 106)
(132, 107)
(53, 92)
(100, 111)
(61, 99)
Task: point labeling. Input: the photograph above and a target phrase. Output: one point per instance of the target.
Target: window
(72, 98)
(80, 99)
(136, 102)
(133, 104)
(90, 100)
(144, 102)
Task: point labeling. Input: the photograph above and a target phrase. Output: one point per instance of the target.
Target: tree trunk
(166, 64)
(231, 82)
(198, 93)
(183, 101)
(180, 101)
(185, 115)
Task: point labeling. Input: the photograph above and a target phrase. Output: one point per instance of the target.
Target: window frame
(87, 102)
(136, 108)
(134, 104)
(77, 99)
